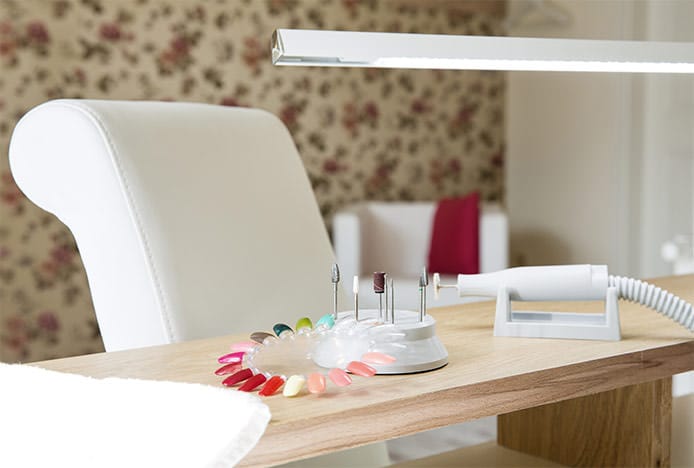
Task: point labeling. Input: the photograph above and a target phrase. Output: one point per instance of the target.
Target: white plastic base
(558, 324)
(412, 343)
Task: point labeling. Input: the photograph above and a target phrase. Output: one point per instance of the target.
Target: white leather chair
(394, 237)
(192, 220)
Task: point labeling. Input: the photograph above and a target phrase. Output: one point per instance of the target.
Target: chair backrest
(192, 220)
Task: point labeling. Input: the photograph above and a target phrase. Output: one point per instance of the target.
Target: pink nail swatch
(377, 358)
(359, 368)
(243, 346)
(339, 377)
(231, 357)
(316, 383)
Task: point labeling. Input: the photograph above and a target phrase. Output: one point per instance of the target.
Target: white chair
(192, 220)
(395, 237)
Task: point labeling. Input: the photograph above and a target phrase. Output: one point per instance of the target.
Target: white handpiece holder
(547, 283)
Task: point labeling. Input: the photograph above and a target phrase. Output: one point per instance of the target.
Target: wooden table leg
(629, 426)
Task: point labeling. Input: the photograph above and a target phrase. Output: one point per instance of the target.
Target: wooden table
(574, 402)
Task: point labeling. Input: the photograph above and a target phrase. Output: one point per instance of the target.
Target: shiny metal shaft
(356, 307)
(335, 301)
(421, 304)
(392, 302)
(385, 293)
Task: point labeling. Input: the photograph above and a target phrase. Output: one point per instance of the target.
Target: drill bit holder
(413, 343)
(408, 336)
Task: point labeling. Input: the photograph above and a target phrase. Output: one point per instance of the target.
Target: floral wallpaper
(362, 133)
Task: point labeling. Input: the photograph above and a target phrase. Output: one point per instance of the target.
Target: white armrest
(493, 238)
(347, 242)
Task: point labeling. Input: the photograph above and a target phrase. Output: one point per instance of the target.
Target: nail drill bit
(385, 292)
(425, 282)
(421, 298)
(438, 286)
(335, 278)
(355, 290)
(391, 287)
(379, 285)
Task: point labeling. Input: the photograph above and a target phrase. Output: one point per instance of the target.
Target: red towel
(455, 236)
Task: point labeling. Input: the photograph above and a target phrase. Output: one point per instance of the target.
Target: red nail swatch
(253, 383)
(240, 376)
(228, 368)
(271, 386)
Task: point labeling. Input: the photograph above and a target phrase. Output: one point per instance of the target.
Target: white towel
(53, 419)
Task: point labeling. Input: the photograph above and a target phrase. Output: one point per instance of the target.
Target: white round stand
(412, 343)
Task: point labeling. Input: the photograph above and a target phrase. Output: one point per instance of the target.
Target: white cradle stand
(582, 326)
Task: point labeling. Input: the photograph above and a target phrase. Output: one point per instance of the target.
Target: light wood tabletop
(486, 375)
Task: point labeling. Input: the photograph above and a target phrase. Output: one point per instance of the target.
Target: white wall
(600, 166)
(568, 140)
(665, 195)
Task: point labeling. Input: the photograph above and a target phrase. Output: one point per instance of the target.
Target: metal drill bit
(392, 301)
(355, 290)
(421, 298)
(438, 286)
(385, 289)
(425, 281)
(379, 284)
(335, 278)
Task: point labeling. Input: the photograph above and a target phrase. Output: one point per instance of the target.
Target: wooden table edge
(405, 416)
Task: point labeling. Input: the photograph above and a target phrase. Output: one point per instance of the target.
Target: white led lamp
(296, 47)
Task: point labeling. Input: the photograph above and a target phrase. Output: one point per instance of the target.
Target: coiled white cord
(654, 297)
